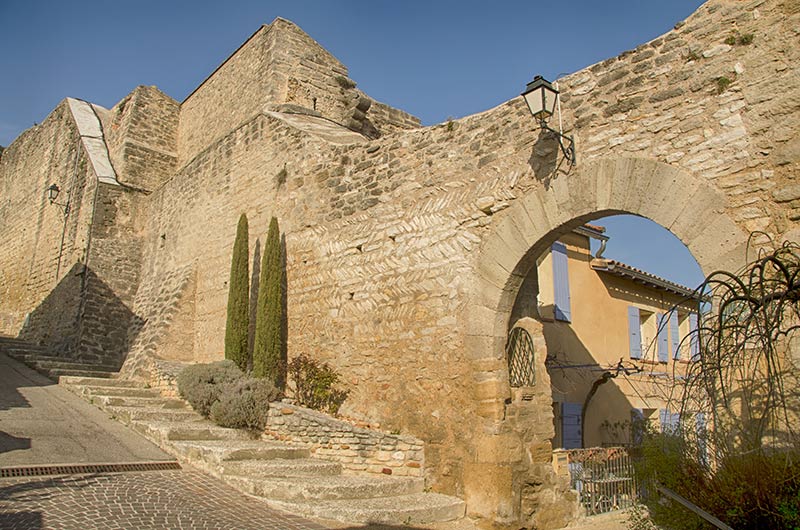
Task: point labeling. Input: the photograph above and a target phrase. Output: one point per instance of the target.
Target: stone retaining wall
(356, 448)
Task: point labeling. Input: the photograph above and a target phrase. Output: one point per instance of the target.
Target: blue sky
(435, 58)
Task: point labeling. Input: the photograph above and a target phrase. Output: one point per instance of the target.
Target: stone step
(66, 364)
(218, 451)
(294, 467)
(168, 431)
(27, 356)
(98, 382)
(129, 414)
(142, 402)
(341, 487)
(117, 391)
(403, 510)
(56, 373)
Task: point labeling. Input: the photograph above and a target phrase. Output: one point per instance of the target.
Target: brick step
(71, 381)
(215, 452)
(402, 510)
(163, 432)
(321, 488)
(279, 467)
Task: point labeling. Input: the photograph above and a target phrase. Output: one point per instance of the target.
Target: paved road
(42, 423)
(151, 500)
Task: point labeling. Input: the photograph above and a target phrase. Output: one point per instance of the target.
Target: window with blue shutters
(694, 343)
(571, 425)
(634, 332)
(560, 282)
(670, 421)
(662, 338)
(674, 335)
(702, 435)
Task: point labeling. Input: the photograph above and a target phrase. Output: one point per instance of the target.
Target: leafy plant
(244, 404)
(722, 84)
(268, 347)
(236, 326)
(202, 384)
(315, 385)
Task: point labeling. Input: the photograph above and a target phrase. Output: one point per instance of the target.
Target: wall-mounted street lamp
(52, 195)
(541, 98)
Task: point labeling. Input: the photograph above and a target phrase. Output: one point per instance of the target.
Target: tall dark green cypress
(238, 303)
(268, 344)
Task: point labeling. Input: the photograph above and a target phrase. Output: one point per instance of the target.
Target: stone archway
(684, 203)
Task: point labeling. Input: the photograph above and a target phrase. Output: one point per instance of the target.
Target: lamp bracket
(566, 143)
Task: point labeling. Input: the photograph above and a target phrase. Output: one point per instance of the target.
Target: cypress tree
(238, 304)
(268, 343)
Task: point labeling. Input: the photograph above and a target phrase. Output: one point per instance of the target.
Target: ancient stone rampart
(406, 251)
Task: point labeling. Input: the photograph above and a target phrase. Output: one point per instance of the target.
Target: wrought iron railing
(519, 351)
(603, 477)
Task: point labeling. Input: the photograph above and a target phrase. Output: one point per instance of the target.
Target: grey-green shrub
(244, 404)
(202, 384)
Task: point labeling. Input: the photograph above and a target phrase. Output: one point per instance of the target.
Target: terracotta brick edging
(356, 448)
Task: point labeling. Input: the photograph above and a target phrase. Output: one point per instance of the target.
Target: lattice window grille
(519, 351)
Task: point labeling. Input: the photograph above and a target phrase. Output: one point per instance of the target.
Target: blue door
(571, 425)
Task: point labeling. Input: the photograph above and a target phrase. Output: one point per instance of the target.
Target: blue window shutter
(637, 426)
(560, 282)
(663, 419)
(571, 425)
(674, 335)
(663, 342)
(693, 341)
(675, 422)
(634, 332)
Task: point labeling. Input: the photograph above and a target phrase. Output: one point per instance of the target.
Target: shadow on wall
(82, 318)
(22, 519)
(573, 370)
(54, 323)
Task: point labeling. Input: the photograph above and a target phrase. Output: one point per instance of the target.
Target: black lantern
(541, 97)
(52, 195)
(52, 192)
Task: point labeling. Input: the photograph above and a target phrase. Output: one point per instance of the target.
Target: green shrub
(236, 327)
(268, 345)
(746, 491)
(202, 384)
(314, 385)
(244, 404)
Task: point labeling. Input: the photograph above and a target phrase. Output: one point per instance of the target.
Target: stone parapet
(357, 449)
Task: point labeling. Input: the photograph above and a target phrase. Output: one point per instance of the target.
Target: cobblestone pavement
(162, 500)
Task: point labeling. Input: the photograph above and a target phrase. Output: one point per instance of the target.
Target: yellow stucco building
(618, 341)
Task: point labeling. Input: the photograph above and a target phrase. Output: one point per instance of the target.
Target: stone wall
(280, 68)
(406, 252)
(356, 448)
(41, 249)
(142, 136)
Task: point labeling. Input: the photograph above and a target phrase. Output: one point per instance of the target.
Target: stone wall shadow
(573, 369)
(89, 323)
(29, 520)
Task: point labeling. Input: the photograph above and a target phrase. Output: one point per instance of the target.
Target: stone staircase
(40, 359)
(285, 475)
